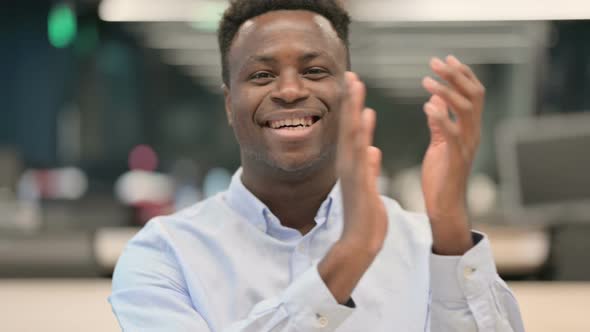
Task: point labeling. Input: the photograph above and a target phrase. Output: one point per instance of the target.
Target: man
(287, 248)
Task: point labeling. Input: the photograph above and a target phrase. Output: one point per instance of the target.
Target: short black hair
(240, 11)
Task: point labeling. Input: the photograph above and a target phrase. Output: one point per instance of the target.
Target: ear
(227, 98)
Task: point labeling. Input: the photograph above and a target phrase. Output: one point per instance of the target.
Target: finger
(442, 129)
(351, 140)
(369, 169)
(460, 106)
(466, 70)
(456, 78)
(369, 117)
(354, 104)
(478, 96)
(347, 113)
(440, 104)
(374, 157)
(358, 137)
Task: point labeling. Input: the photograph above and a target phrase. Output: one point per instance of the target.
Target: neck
(294, 197)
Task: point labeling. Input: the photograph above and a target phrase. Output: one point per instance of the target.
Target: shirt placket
(302, 256)
(300, 260)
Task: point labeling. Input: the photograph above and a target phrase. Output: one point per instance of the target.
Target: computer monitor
(544, 167)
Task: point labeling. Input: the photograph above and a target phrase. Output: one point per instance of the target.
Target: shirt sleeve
(468, 295)
(149, 294)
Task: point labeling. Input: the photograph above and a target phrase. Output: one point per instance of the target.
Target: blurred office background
(111, 113)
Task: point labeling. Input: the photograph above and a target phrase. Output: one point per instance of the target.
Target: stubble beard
(309, 167)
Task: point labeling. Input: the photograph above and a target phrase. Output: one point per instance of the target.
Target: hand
(358, 166)
(453, 145)
(365, 218)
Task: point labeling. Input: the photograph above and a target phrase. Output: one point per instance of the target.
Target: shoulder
(206, 215)
(155, 246)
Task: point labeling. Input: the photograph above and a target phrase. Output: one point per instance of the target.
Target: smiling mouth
(294, 123)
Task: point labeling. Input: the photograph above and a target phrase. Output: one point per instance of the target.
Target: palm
(442, 187)
(359, 165)
(453, 144)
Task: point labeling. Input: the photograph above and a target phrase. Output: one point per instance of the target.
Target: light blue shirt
(227, 264)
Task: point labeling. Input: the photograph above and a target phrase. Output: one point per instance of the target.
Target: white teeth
(291, 124)
(298, 122)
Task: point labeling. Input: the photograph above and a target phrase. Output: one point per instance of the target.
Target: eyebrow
(269, 59)
(308, 56)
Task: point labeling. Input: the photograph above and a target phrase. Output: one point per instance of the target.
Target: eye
(261, 77)
(315, 73)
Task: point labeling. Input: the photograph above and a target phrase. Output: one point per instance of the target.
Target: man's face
(286, 87)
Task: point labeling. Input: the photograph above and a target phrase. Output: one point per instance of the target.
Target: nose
(290, 89)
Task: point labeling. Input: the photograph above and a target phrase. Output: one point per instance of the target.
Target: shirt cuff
(461, 278)
(312, 306)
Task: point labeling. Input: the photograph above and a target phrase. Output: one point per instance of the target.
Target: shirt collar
(246, 204)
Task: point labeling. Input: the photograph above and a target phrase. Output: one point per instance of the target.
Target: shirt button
(301, 248)
(468, 271)
(322, 321)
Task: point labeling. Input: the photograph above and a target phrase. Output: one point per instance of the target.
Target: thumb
(442, 128)
(374, 157)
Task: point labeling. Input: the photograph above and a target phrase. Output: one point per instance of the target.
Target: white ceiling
(391, 41)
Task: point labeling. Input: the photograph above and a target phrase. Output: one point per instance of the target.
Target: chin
(298, 163)
(291, 163)
(296, 167)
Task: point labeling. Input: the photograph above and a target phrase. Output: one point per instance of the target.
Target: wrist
(342, 268)
(451, 237)
(360, 246)
(448, 213)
